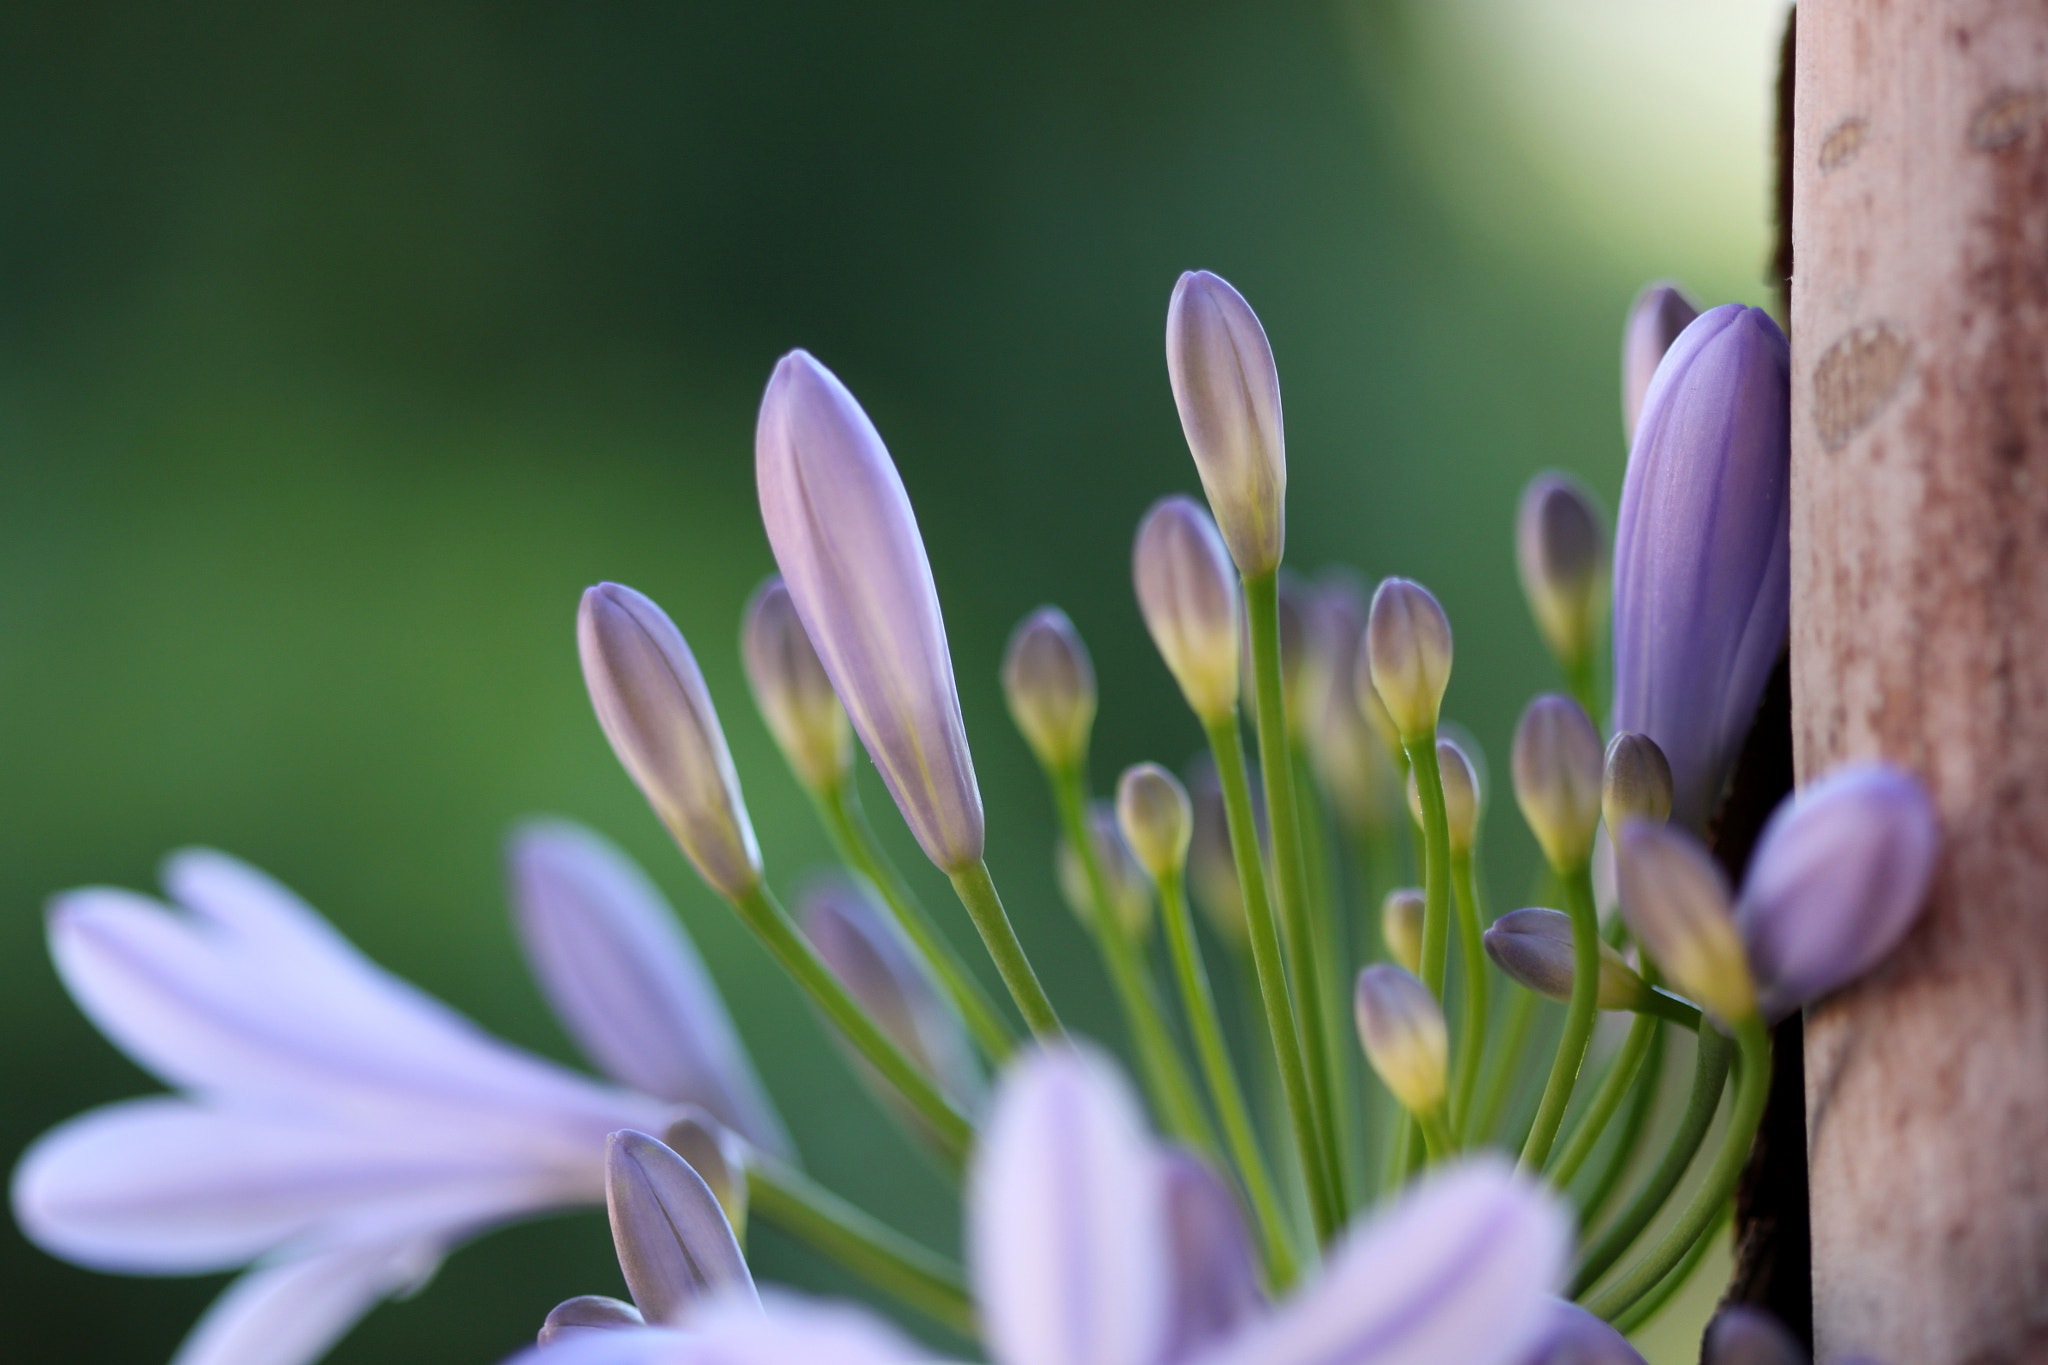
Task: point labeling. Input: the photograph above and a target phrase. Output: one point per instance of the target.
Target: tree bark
(1920, 635)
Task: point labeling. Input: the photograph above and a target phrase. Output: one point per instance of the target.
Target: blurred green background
(341, 346)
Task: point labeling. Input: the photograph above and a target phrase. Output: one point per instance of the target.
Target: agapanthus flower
(335, 1128)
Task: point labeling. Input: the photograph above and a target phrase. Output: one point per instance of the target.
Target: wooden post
(1920, 634)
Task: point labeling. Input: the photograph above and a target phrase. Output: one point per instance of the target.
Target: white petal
(793, 1331)
(291, 1312)
(626, 980)
(1457, 1273)
(1065, 1219)
(165, 1186)
(628, 1346)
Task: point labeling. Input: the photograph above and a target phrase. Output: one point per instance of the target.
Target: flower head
(1228, 394)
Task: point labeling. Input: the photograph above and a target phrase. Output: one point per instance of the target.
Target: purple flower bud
(1676, 903)
(1157, 820)
(1534, 947)
(585, 1313)
(1702, 592)
(674, 1245)
(1350, 749)
(1187, 591)
(1561, 552)
(1743, 1335)
(1401, 915)
(1408, 651)
(657, 713)
(1228, 394)
(1558, 777)
(1659, 315)
(848, 546)
(1461, 795)
(718, 1156)
(1637, 784)
(790, 687)
(1402, 1029)
(1575, 1337)
(1050, 685)
(1213, 1273)
(1838, 877)
(1130, 890)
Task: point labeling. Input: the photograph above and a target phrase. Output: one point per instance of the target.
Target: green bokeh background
(340, 347)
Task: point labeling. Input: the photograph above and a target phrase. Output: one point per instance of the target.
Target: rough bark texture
(1920, 634)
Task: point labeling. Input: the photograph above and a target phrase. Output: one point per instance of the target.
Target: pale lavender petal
(292, 1311)
(627, 982)
(1839, 876)
(586, 1313)
(628, 1346)
(1572, 1336)
(1189, 596)
(1660, 313)
(1215, 1288)
(782, 1329)
(674, 1245)
(1066, 1221)
(1228, 394)
(1460, 1270)
(1702, 595)
(849, 550)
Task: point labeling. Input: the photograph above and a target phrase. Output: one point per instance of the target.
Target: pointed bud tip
(1402, 1029)
(1049, 683)
(1188, 594)
(1408, 653)
(1558, 772)
(1401, 915)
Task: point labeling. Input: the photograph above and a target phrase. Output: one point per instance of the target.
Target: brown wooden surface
(1920, 633)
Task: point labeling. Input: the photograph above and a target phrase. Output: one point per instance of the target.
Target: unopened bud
(1402, 1028)
(1660, 312)
(1534, 947)
(1157, 819)
(1124, 881)
(587, 1313)
(1557, 766)
(1050, 685)
(1676, 903)
(651, 700)
(1637, 785)
(1561, 551)
(1401, 916)
(718, 1156)
(674, 1245)
(1188, 594)
(1228, 394)
(1573, 1336)
(790, 687)
(1461, 795)
(1742, 1334)
(1408, 652)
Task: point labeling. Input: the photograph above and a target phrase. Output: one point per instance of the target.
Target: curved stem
(1606, 1100)
(879, 1254)
(1472, 1039)
(1166, 1077)
(1210, 1045)
(1436, 1135)
(977, 892)
(1752, 1088)
(771, 923)
(857, 847)
(1330, 951)
(1506, 1066)
(1639, 1313)
(1710, 1073)
(1264, 936)
(1436, 860)
(1633, 1124)
(1578, 1019)
(1262, 613)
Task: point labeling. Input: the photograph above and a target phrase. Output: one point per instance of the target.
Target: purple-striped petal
(1215, 1289)
(1228, 395)
(626, 981)
(572, 1318)
(675, 1248)
(290, 1312)
(849, 550)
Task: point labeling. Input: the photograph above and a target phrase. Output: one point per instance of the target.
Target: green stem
(1710, 1072)
(1166, 1076)
(1330, 952)
(977, 892)
(1210, 1045)
(1639, 1313)
(1436, 861)
(771, 923)
(1472, 1039)
(1262, 614)
(879, 1254)
(1506, 1064)
(855, 842)
(1436, 1135)
(1579, 680)
(1633, 1124)
(1752, 1088)
(1264, 935)
(1578, 1018)
(1606, 1100)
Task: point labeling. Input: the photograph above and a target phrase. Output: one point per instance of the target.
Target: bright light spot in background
(1636, 130)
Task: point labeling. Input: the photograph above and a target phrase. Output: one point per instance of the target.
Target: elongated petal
(1228, 394)
(1572, 1336)
(1702, 585)
(1066, 1232)
(1837, 879)
(1659, 315)
(1215, 1273)
(1675, 900)
(1534, 947)
(1459, 1270)
(627, 982)
(675, 1247)
(782, 1329)
(291, 1311)
(849, 549)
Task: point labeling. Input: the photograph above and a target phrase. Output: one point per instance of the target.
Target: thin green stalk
(1165, 1072)
(1214, 1051)
(1436, 869)
(1399, 1160)
(1436, 1135)
(879, 1254)
(1330, 951)
(1640, 1313)
(1634, 1123)
(1613, 1089)
(977, 892)
(857, 847)
(1506, 1065)
(1264, 936)
(1283, 820)
(1472, 1038)
(771, 923)
(1752, 1088)
(1578, 1019)
(1579, 681)
(1710, 1073)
